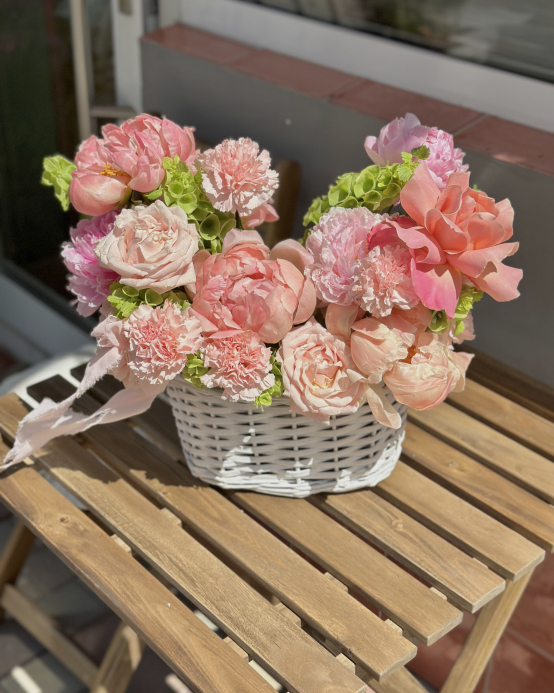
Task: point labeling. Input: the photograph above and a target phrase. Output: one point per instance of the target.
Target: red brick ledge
(500, 139)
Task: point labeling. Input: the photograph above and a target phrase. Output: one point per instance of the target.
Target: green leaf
(194, 370)
(130, 291)
(407, 157)
(210, 228)
(57, 172)
(155, 194)
(153, 298)
(422, 152)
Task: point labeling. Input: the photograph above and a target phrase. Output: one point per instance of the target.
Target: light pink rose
(457, 232)
(265, 213)
(431, 371)
(337, 244)
(151, 247)
(89, 281)
(315, 366)
(242, 289)
(239, 363)
(237, 177)
(378, 344)
(405, 134)
(128, 157)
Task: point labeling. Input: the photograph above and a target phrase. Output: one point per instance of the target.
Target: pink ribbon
(50, 420)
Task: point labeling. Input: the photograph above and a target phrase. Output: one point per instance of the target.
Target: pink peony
(241, 288)
(261, 215)
(431, 371)
(315, 366)
(378, 344)
(159, 340)
(337, 244)
(151, 247)
(236, 176)
(127, 158)
(405, 134)
(90, 282)
(239, 363)
(384, 280)
(457, 232)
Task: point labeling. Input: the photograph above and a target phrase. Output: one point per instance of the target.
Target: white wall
(127, 30)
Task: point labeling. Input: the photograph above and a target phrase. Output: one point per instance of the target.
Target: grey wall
(328, 140)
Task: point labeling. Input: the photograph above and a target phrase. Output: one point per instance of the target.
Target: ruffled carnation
(89, 281)
(239, 363)
(405, 134)
(236, 176)
(384, 280)
(159, 341)
(337, 244)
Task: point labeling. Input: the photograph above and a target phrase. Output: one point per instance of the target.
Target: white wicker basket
(238, 446)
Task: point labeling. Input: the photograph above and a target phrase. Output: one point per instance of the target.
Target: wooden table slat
(497, 546)
(507, 457)
(496, 495)
(284, 573)
(286, 651)
(506, 416)
(356, 564)
(199, 657)
(466, 582)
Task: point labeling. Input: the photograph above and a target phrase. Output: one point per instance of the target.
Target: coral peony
(160, 340)
(128, 157)
(429, 374)
(405, 134)
(384, 280)
(241, 288)
(151, 247)
(236, 176)
(239, 363)
(457, 232)
(315, 366)
(337, 243)
(90, 282)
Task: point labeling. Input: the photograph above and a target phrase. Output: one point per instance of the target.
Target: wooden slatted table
(326, 594)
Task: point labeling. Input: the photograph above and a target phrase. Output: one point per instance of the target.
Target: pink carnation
(159, 340)
(236, 177)
(89, 281)
(128, 157)
(239, 363)
(405, 134)
(337, 244)
(385, 281)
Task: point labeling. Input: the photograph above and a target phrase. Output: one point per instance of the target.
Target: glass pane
(38, 116)
(508, 34)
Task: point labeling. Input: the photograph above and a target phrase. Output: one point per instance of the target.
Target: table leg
(13, 556)
(120, 662)
(484, 637)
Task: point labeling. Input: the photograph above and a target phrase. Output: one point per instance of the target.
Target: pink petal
(306, 303)
(446, 233)
(438, 286)
(473, 262)
(419, 239)
(420, 194)
(505, 217)
(499, 281)
(293, 252)
(339, 319)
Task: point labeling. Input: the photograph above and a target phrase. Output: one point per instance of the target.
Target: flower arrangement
(376, 294)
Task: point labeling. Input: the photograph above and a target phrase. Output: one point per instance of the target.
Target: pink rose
(378, 344)
(89, 281)
(237, 177)
(457, 232)
(315, 367)
(429, 374)
(405, 134)
(127, 158)
(242, 289)
(337, 243)
(151, 247)
(239, 363)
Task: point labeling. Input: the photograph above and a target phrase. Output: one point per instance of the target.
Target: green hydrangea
(265, 399)
(57, 172)
(440, 323)
(194, 369)
(126, 299)
(376, 187)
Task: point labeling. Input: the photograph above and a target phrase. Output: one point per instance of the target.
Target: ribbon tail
(51, 420)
